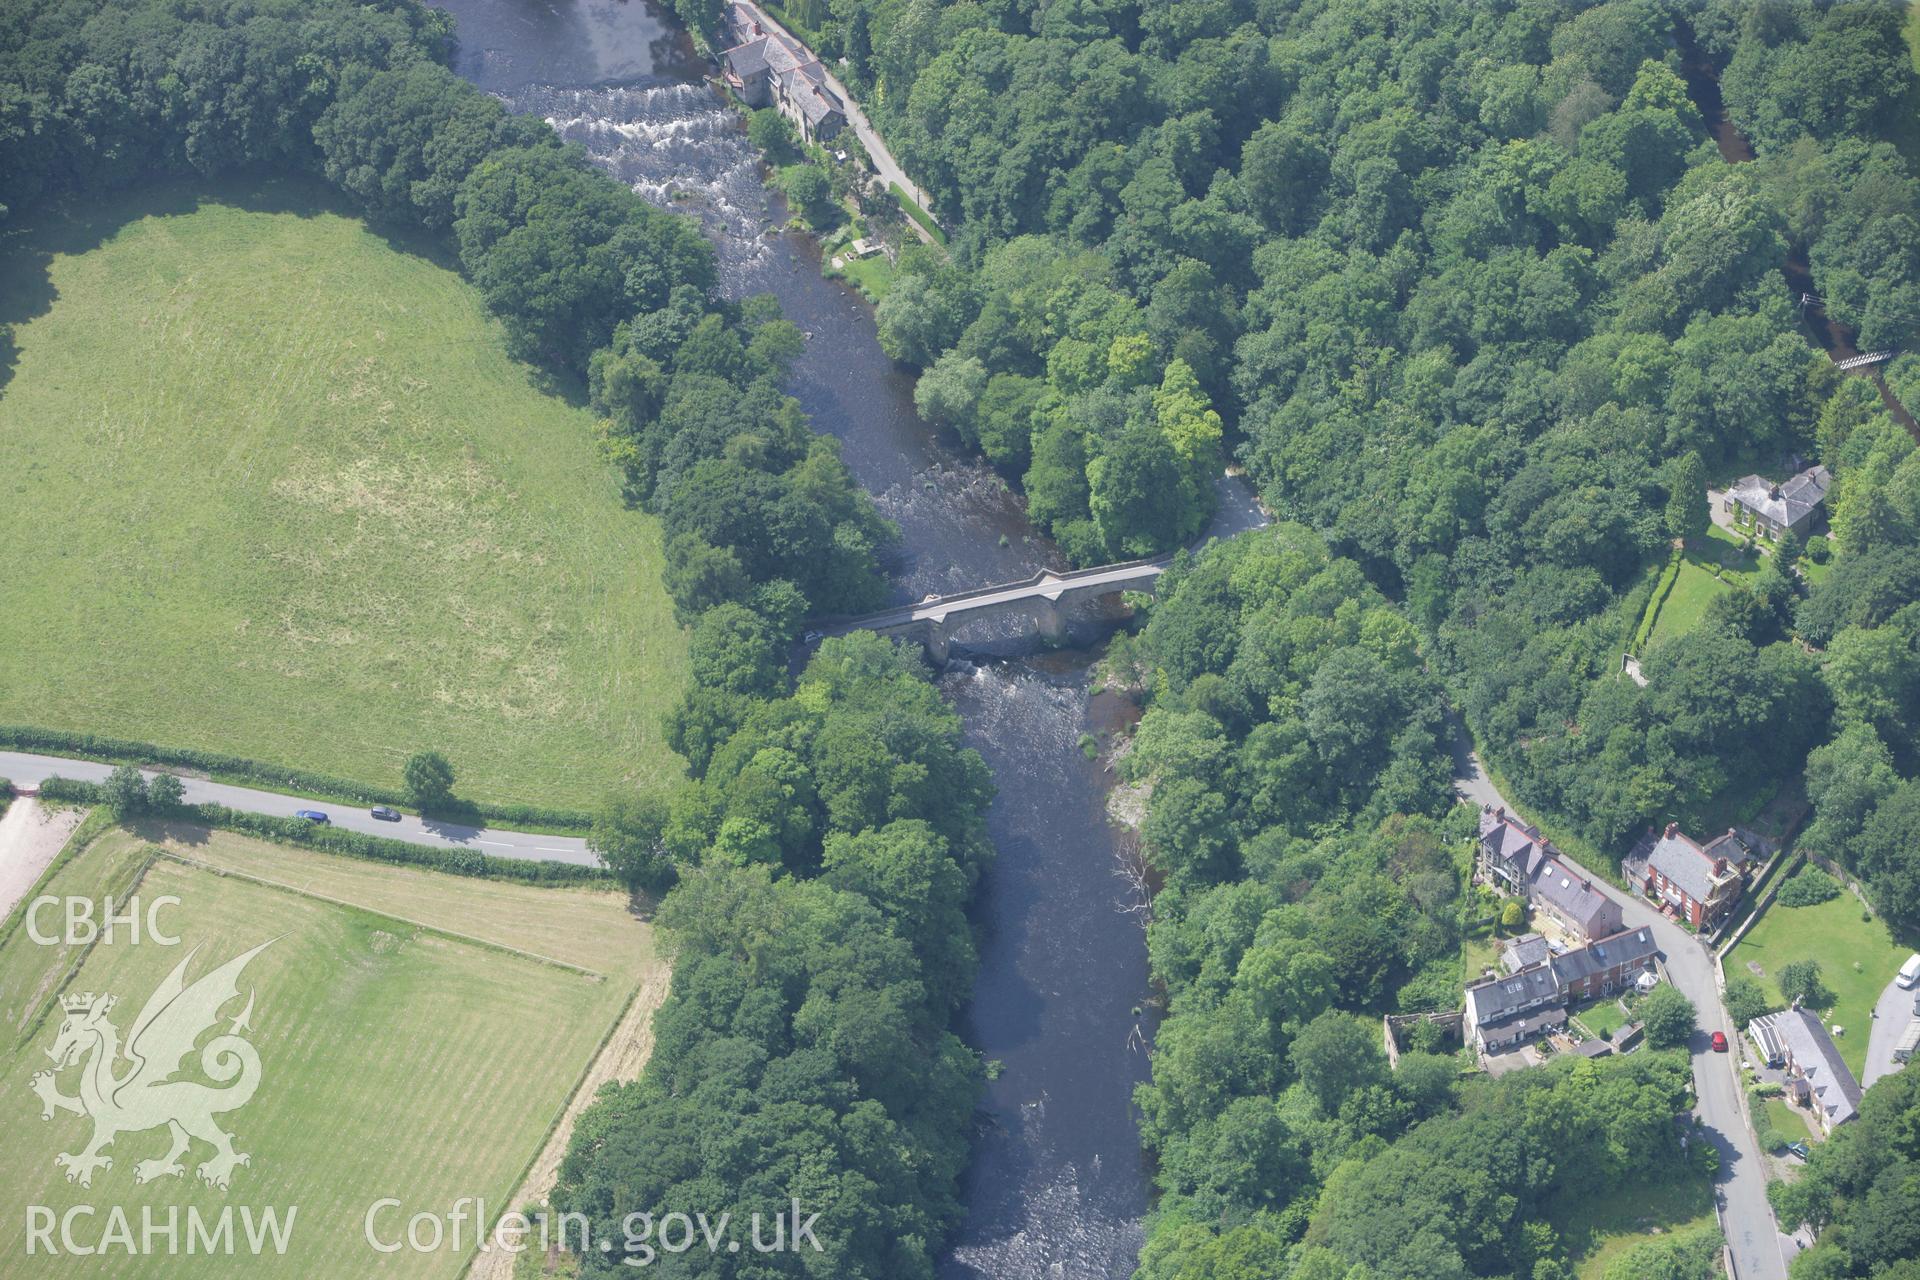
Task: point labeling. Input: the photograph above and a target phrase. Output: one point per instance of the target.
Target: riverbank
(885, 165)
(1056, 1186)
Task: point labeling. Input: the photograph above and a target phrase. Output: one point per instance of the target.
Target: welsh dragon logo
(141, 1095)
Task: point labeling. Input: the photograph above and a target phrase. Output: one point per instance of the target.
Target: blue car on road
(311, 815)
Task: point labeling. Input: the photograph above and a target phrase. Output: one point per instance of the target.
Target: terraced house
(1532, 994)
(1796, 1042)
(1517, 860)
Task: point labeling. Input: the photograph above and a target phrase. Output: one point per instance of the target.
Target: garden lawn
(1693, 590)
(1596, 1229)
(1791, 1123)
(1603, 1017)
(274, 488)
(1480, 951)
(873, 276)
(1735, 559)
(398, 1059)
(1834, 934)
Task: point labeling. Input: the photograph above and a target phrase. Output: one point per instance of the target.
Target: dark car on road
(312, 815)
(385, 814)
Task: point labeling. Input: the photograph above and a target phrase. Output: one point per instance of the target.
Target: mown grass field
(398, 1059)
(1696, 586)
(272, 487)
(1693, 590)
(1833, 934)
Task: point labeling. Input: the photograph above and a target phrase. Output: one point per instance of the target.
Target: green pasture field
(1833, 933)
(273, 487)
(418, 1036)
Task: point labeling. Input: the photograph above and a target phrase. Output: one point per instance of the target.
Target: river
(1057, 1187)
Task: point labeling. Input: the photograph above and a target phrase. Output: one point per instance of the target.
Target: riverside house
(767, 67)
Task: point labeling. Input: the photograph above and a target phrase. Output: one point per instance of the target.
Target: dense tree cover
(1469, 289)
(1301, 818)
(588, 277)
(1466, 1189)
(820, 949)
(1861, 1190)
(1864, 781)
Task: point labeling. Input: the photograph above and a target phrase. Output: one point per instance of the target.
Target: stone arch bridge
(1043, 598)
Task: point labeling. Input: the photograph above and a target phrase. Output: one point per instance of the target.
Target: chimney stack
(1673, 829)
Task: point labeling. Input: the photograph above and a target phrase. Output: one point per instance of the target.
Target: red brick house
(1696, 883)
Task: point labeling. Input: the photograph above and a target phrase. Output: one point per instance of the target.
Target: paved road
(1891, 1016)
(21, 767)
(1752, 1235)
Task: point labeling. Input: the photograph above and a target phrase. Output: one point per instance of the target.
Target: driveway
(21, 767)
(1890, 1018)
(1752, 1235)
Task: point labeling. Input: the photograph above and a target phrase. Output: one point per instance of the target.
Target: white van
(1909, 972)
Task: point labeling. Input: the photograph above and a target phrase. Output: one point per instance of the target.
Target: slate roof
(1576, 898)
(806, 85)
(1510, 838)
(1689, 866)
(749, 59)
(1495, 999)
(1527, 949)
(1784, 504)
(1800, 1037)
(1527, 1024)
(1567, 891)
(769, 53)
(1628, 947)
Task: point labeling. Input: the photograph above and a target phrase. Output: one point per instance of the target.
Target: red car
(1719, 1042)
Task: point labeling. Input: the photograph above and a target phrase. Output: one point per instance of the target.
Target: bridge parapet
(1041, 596)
